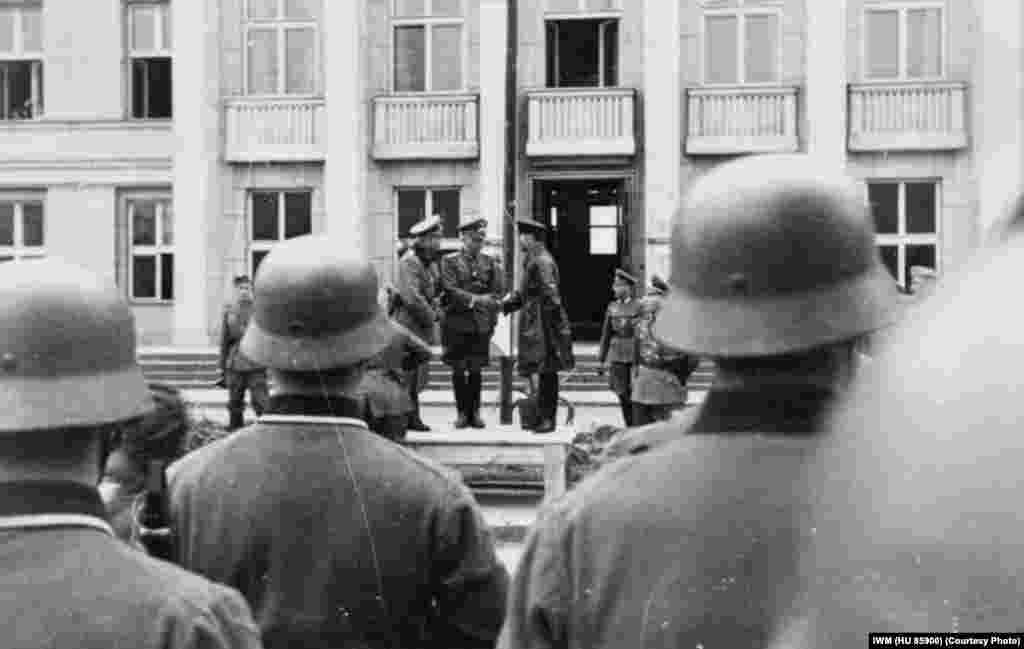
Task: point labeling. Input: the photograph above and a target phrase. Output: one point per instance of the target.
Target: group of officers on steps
(755, 520)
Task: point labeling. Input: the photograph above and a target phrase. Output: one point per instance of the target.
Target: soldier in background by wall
(238, 372)
(618, 348)
(473, 287)
(419, 307)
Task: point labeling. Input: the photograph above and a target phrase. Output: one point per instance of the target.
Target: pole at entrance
(511, 159)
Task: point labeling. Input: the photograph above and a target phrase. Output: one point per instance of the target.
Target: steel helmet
(770, 255)
(316, 307)
(67, 349)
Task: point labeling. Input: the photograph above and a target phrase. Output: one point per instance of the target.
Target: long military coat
(545, 338)
(462, 278)
(418, 287)
(234, 321)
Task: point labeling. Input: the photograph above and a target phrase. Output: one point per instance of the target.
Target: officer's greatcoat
(618, 344)
(418, 289)
(233, 324)
(545, 338)
(466, 330)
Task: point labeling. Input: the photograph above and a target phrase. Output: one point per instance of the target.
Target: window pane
(890, 257)
(167, 42)
(151, 88)
(446, 66)
(405, 8)
(604, 241)
(762, 48)
(6, 224)
(32, 224)
(883, 44)
(143, 276)
(19, 89)
(299, 50)
(604, 215)
(578, 56)
(143, 223)
(924, 43)
(143, 29)
(884, 198)
(919, 255)
(262, 62)
(411, 209)
(264, 216)
(6, 30)
(32, 29)
(410, 59)
(263, 8)
(446, 205)
(257, 259)
(298, 214)
(167, 236)
(720, 37)
(166, 276)
(446, 8)
(611, 53)
(302, 9)
(563, 6)
(920, 208)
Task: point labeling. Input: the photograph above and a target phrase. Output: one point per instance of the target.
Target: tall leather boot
(415, 423)
(461, 398)
(547, 402)
(473, 389)
(236, 419)
(627, 410)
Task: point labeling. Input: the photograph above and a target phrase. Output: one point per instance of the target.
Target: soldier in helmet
(240, 373)
(68, 379)
(774, 273)
(473, 286)
(618, 344)
(337, 536)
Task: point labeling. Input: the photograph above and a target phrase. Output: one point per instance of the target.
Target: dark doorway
(588, 240)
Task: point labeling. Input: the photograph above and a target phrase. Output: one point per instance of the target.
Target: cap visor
(312, 354)
(772, 325)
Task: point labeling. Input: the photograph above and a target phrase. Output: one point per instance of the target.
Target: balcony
(581, 122)
(741, 119)
(275, 130)
(425, 127)
(907, 117)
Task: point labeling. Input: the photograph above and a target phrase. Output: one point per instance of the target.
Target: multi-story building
(171, 144)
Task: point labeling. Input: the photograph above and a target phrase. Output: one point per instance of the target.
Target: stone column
(662, 129)
(493, 95)
(825, 85)
(197, 170)
(347, 121)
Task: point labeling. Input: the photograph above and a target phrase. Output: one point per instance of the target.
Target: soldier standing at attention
(68, 381)
(618, 347)
(419, 310)
(240, 373)
(473, 285)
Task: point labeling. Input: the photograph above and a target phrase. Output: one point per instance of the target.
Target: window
(582, 6)
(149, 56)
(906, 218)
(604, 229)
(276, 216)
(582, 53)
(281, 47)
(151, 235)
(22, 228)
(21, 62)
(414, 204)
(428, 45)
(741, 47)
(903, 43)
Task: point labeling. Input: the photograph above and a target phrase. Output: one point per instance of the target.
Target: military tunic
(418, 288)
(618, 345)
(240, 373)
(468, 323)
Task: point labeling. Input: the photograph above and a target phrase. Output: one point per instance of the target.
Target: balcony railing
(275, 130)
(741, 120)
(907, 117)
(581, 122)
(438, 127)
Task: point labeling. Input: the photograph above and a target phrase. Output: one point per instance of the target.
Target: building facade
(169, 145)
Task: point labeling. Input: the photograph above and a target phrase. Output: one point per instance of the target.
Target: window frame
(603, 18)
(19, 250)
(901, 239)
(280, 25)
(428, 22)
(163, 18)
(583, 12)
(159, 248)
(741, 13)
(428, 208)
(35, 59)
(266, 245)
(902, 7)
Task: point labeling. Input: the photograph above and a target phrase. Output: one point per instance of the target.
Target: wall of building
(83, 70)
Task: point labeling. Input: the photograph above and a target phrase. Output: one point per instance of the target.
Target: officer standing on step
(68, 381)
(618, 345)
(240, 373)
(337, 536)
(473, 286)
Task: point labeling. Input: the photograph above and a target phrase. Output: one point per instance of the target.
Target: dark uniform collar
(34, 498)
(316, 406)
(776, 410)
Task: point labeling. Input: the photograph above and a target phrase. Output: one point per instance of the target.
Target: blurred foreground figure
(336, 536)
(919, 523)
(696, 543)
(386, 384)
(68, 378)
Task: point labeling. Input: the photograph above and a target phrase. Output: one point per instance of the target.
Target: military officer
(419, 307)
(473, 286)
(618, 346)
(68, 381)
(240, 373)
(774, 274)
(337, 536)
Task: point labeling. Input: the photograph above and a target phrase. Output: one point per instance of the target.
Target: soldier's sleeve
(540, 598)
(606, 336)
(413, 299)
(470, 582)
(225, 623)
(450, 283)
(225, 341)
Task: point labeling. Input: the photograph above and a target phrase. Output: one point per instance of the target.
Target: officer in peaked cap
(473, 286)
(337, 536)
(618, 344)
(68, 380)
(419, 307)
(774, 275)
